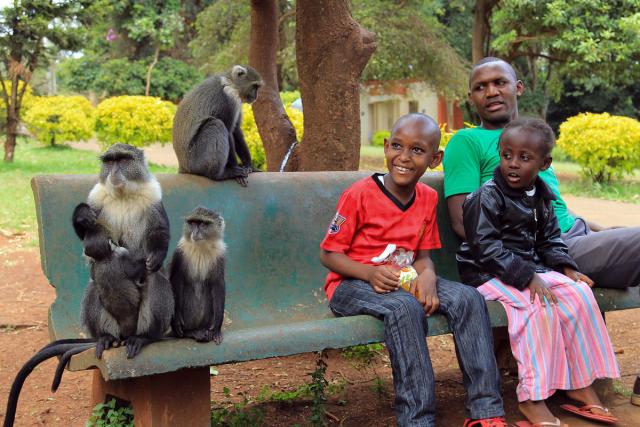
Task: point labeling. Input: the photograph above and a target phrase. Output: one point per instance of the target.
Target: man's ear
(519, 87)
(437, 159)
(547, 163)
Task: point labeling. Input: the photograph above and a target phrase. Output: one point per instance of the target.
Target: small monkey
(207, 133)
(196, 273)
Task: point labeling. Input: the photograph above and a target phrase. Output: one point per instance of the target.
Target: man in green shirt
(609, 256)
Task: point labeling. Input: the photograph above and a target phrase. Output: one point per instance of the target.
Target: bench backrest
(273, 232)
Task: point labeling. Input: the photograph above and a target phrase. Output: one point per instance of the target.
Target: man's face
(494, 91)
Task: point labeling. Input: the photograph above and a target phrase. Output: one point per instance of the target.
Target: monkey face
(198, 230)
(247, 81)
(203, 224)
(122, 165)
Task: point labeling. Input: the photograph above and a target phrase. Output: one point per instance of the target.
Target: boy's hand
(576, 276)
(424, 289)
(537, 286)
(384, 279)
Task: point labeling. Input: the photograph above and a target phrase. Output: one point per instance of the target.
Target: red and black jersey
(369, 217)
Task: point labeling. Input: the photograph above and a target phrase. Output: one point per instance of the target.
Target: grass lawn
(17, 208)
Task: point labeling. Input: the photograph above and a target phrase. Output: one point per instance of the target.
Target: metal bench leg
(181, 398)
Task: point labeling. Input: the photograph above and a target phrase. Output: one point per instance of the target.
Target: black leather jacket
(510, 235)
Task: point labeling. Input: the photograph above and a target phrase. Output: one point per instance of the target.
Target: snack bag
(399, 259)
(403, 259)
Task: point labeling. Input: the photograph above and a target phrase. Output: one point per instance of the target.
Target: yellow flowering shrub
(251, 135)
(604, 146)
(27, 100)
(135, 120)
(60, 118)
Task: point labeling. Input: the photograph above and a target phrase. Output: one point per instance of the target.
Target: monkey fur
(196, 273)
(111, 308)
(125, 300)
(207, 136)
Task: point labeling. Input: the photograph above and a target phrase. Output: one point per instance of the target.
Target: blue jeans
(405, 326)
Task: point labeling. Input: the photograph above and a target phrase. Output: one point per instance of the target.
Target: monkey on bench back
(207, 136)
(196, 273)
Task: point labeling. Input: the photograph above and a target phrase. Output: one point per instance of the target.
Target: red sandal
(586, 412)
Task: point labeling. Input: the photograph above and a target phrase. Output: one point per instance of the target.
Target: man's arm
(454, 204)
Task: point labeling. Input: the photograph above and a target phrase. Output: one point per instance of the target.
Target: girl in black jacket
(514, 253)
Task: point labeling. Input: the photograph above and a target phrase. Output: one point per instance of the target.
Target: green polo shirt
(470, 159)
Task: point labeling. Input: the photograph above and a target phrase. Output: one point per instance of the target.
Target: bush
(604, 146)
(378, 138)
(135, 120)
(251, 135)
(60, 118)
(171, 79)
(288, 97)
(27, 101)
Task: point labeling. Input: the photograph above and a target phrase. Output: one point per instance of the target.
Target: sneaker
(635, 397)
(486, 422)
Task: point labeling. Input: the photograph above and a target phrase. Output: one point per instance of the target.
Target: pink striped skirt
(557, 347)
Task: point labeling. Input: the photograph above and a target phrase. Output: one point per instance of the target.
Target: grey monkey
(127, 202)
(123, 302)
(196, 273)
(207, 136)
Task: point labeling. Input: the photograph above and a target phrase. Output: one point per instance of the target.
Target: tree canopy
(30, 32)
(588, 42)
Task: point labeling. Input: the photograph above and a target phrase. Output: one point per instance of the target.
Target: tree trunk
(10, 142)
(481, 29)
(331, 52)
(275, 128)
(147, 88)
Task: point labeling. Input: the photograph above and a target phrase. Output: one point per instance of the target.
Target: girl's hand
(384, 279)
(537, 286)
(576, 276)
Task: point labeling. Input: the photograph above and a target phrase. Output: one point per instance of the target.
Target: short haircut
(533, 126)
(490, 59)
(427, 121)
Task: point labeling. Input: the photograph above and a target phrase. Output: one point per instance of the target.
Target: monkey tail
(64, 361)
(53, 349)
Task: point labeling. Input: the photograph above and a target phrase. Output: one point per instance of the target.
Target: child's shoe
(486, 422)
(635, 397)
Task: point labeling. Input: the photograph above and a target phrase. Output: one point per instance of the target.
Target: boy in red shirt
(397, 209)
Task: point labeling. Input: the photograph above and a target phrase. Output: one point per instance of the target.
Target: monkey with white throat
(196, 273)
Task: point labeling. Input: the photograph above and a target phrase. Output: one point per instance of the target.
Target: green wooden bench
(275, 300)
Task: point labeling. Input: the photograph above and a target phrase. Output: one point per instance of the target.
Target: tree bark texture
(481, 29)
(332, 49)
(275, 128)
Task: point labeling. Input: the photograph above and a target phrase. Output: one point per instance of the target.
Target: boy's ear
(547, 163)
(437, 159)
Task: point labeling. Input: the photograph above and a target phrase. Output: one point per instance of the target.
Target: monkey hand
(105, 343)
(154, 261)
(217, 337)
(84, 216)
(250, 169)
(242, 174)
(177, 324)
